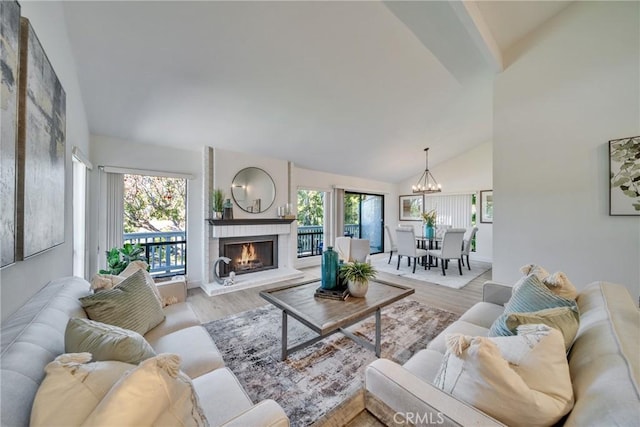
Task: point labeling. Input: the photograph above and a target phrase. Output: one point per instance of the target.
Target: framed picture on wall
(486, 206)
(624, 176)
(411, 207)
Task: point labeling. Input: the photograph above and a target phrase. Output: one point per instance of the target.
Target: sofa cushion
(70, 378)
(529, 296)
(519, 380)
(177, 316)
(483, 314)
(425, 364)
(195, 347)
(221, 395)
(106, 342)
(564, 319)
(439, 343)
(130, 305)
(153, 393)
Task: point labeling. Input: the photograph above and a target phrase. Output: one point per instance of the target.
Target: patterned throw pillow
(518, 380)
(557, 282)
(106, 342)
(531, 295)
(131, 305)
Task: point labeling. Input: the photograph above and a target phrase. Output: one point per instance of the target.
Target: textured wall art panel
(41, 154)
(9, 61)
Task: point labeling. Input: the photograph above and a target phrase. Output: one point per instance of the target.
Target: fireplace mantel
(248, 221)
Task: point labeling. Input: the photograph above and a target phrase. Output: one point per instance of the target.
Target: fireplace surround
(249, 254)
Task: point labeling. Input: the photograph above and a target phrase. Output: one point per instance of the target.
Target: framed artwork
(41, 150)
(486, 206)
(624, 176)
(9, 61)
(411, 207)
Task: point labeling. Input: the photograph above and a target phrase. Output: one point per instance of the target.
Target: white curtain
(454, 210)
(338, 231)
(114, 210)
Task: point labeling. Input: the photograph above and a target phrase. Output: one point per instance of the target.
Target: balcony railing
(165, 251)
(310, 238)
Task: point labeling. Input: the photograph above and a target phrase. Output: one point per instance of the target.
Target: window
(311, 210)
(457, 210)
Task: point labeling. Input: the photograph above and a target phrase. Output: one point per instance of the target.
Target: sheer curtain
(112, 213)
(454, 210)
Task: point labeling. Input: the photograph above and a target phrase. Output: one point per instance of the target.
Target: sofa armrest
(176, 287)
(266, 413)
(411, 398)
(496, 293)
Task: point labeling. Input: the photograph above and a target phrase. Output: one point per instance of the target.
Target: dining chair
(407, 247)
(343, 247)
(451, 249)
(469, 234)
(391, 242)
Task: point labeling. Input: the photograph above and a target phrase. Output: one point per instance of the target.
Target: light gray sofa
(604, 363)
(34, 335)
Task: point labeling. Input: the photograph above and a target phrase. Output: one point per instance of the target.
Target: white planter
(358, 289)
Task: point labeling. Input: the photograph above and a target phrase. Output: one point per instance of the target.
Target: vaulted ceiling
(354, 88)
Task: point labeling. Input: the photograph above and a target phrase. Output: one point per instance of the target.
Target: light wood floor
(454, 300)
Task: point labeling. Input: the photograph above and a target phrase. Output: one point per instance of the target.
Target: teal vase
(429, 232)
(329, 269)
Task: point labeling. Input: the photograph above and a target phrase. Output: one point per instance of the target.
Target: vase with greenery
(358, 275)
(119, 258)
(429, 219)
(218, 202)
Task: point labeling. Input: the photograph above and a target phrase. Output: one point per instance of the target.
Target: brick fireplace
(255, 238)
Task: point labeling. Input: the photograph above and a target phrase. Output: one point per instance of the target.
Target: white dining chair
(469, 234)
(407, 247)
(451, 249)
(393, 245)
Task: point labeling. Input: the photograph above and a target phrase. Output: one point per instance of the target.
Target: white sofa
(604, 364)
(34, 335)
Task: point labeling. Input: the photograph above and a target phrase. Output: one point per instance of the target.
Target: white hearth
(251, 228)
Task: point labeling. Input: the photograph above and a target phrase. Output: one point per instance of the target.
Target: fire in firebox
(247, 260)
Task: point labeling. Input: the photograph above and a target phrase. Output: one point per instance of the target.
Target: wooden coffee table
(326, 316)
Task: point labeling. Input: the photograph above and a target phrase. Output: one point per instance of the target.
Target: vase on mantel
(429, 231)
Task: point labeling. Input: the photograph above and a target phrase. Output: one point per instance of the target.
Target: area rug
(317, 379)
(453, 279)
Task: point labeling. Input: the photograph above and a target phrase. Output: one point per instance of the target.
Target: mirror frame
(243, 204)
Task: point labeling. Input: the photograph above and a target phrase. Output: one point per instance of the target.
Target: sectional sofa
(34, 336)
(604, 366)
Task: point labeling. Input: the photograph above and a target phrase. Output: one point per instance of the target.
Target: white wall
(570, 87)
(108, 151)
(18, 282)
(469, 172)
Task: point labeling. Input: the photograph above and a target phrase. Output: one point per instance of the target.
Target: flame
(248, 254)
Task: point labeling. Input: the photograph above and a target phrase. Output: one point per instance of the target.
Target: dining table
(424, 242)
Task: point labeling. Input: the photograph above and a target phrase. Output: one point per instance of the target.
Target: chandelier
(426, 184)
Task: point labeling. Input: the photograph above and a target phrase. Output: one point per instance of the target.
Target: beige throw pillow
(106, 342)
(100, 282)
(564, 319)
(72, 388)
(518, 380)
(130, 305)
(154, 393)
(143, 266)
(557, 282)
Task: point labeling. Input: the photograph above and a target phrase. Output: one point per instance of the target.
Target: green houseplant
(358, 275)
(218, 202)
(429, 219)
(119, 258)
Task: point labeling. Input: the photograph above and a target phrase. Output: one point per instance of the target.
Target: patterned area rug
(453, 279)
(317, 379)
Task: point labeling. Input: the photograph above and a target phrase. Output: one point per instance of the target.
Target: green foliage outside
(151, 200)
(352, 208)
(119, 258)
(310, 207)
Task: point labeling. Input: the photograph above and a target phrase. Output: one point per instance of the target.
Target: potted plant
(358, 275)
(119, 258)
(218, 203)
(429, 219)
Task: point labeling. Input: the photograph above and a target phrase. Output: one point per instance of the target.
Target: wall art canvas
(41, 149)
(624, 176)
(411, 208)
(9, 61)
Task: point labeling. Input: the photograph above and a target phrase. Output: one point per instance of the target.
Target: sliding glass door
(364, 218)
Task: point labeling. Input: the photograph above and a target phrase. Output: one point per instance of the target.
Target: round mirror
(253, 190)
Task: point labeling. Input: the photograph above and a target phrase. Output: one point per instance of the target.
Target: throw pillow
(72, 388)
(154, 393)
(534, 269)
(101, 282)
(106, 342)
(130, 305)
(564, 319)
(558, 282)
(530, 296)
(518, 380)
(143, 266)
